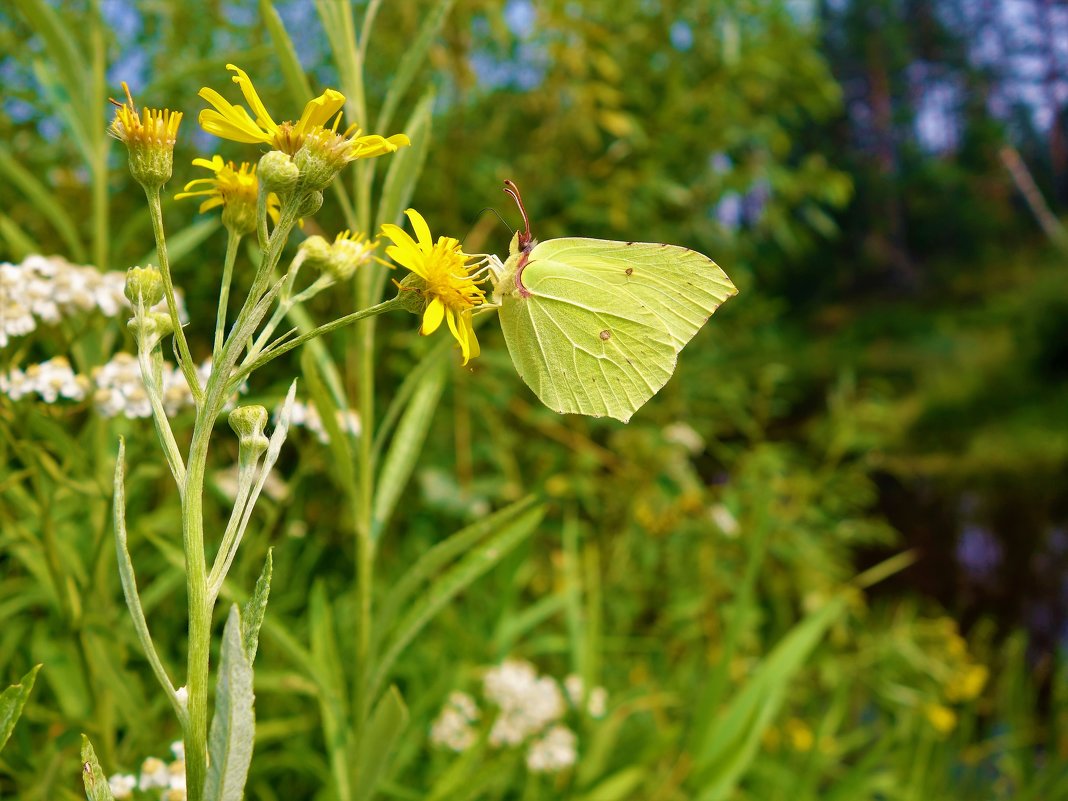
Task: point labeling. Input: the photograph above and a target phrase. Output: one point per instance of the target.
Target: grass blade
(406, 447)
(377, 742)
(300, 90)
(451, 584)
(406, 164)
(96, 783)
(413, 59)
(43, 200)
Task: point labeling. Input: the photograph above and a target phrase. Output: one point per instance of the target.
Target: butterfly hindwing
(601, 329)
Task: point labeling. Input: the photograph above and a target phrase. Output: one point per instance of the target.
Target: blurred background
(884, 180)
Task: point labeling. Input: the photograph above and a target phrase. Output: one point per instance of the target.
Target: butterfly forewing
(600, 331)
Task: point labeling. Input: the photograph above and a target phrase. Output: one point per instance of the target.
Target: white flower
(452, 727)
(183, 701)
(527, 702)
(596, 701)
(553, 752)
(122, 785)
(154, 773)
(724, 520)
(178, 747)
(685, 435)
(307, 415)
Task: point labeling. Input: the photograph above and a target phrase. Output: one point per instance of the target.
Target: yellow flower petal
(263, 118)
(422, 230)
(319, 110)
(432, 317)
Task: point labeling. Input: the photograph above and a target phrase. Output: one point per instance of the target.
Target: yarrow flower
(449, 286)
(235, 188)
(149, 137)
(229, 121)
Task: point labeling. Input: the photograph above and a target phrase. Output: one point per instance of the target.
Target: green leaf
(184, 242)
(441, 554)
(451, 584)
(616, 787)
(253, 609)
(406, 164)
(12, 700)
(96, 784)
(333, 706)
(339, 441)
(413, 58)
(62, 49)
(233, 725)
(20, 243)
(406, 447)
(730, 740)
(300, 90)
(377, 741)
(44, 201)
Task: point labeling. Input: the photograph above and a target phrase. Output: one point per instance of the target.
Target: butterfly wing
(601, 329)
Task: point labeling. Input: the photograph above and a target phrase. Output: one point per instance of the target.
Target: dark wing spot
(606, 335)
(629, 270)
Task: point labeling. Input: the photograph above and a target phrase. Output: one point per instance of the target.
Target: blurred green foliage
(891, 356)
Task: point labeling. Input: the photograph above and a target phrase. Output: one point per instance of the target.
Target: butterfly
(594, 326)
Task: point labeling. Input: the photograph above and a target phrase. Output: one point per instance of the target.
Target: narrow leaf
(44, 201)
(233, 725)
(378, 740)
(96, 784)
(451, 584)
(296, 81)
(733, 737)
(20, 244)
(184, 242)
(406, 446)
(406, 164)
(413, 58)
(435, 558)
(253, 609)
(12, 700)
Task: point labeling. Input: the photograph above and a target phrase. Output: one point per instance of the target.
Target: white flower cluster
(155, 774)
(529, 710)
(51, 380)
(115, 387)
(45, 289)
(305, 414)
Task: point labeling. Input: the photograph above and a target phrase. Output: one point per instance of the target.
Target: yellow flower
(228, 121)
(941, 717)
(149, 138)
(235, 188)
(967, 683)
(449, 287)
(799, 734)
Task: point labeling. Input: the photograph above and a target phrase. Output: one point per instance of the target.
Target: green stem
(232, 243)
(188, 368)
(200, 602)
(276, 351)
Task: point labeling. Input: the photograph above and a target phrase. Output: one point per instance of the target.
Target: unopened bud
(248, 422)
(310, 203)
(410, 292)
(277, 172)
(150, 328)
(146, 283)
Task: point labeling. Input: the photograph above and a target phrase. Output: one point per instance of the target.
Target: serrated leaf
(406, 447)
(12, 700)
(253, 610)
(96, 784)
(378, 740)
(230, 740)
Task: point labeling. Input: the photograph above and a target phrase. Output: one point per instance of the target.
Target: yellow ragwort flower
(235, 188)
(149, 137)
(450, 287)
(228, 121)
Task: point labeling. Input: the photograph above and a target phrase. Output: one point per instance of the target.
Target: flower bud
(248, 422)
(277, 172)
(149, 137)
(146, 283)
(150, 328)
(316, 251)
(321, 158)
(310, 203)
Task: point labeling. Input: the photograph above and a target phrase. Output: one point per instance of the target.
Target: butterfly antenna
(504, 222)
(524, 238)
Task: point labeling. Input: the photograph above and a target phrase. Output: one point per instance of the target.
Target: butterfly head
(523, 241)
